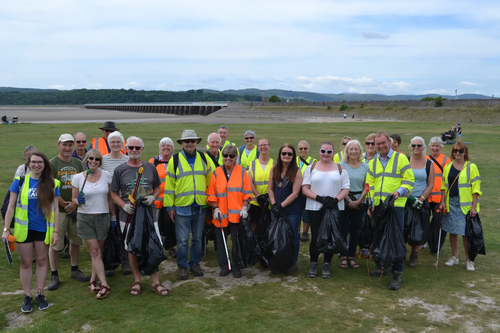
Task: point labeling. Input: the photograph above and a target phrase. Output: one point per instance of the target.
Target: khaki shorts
(67, 226)
(93, 226)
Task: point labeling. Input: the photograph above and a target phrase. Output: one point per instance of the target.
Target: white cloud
(364, 84)
(374, 35)
(469, 83)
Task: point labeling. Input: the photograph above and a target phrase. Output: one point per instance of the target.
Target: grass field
(448, 299)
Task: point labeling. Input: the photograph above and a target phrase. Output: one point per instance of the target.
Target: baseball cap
(66, 137)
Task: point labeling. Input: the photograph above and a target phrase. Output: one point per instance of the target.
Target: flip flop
(159, 290)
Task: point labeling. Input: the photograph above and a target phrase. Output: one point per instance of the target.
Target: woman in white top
(323, 185)
(115, 157)
(93, 198)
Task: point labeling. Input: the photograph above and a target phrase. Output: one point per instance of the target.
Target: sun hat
(188, 135)
(66, 138)
(109, 125)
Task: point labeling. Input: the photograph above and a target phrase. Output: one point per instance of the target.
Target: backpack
(6, 201)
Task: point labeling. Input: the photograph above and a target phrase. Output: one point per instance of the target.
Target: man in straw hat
(186, 201)
(101, 144)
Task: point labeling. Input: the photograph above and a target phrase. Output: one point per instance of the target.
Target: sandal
(353, 263)
(343, 262)
(160, 290)
(104, 292)
(94, 287)
(136, 291)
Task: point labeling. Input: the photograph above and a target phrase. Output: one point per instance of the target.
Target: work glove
(113, 221)
(81, 199)
(129, 209)
(262, 198)
(217, 214)
(277, 209)
(320, 199)
(244, 212)
(148, 200)
(417, 204)
(331, 202)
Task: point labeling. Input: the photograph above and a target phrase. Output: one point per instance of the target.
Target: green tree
(274, 99)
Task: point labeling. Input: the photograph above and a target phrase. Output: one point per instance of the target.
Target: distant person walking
(459, 132)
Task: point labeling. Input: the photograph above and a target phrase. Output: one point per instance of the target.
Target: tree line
(97, 96)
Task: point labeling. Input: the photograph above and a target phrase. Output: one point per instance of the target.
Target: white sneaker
(452, 261)
(470, 266)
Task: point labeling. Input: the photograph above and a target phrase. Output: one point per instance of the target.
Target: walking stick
(132, 198)
(439, 210)
(225, 245)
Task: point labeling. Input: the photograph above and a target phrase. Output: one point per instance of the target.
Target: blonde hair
(346, 156)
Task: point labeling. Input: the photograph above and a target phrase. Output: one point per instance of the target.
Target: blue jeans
(183, 226)
(294, 220)
(305, 216)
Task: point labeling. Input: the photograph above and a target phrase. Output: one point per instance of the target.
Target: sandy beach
(68, 114)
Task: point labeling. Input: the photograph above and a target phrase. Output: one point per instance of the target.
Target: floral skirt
(454, 221)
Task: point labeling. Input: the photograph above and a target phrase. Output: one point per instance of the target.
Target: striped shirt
(109, 164)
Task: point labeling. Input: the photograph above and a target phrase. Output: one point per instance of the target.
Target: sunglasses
(134, 147)
(82, 141)
(284, 153)
(370, 143)
(228, 155)
(344, 143)
(461, 151)
(417, 146)
(109, 131)
(190, 141)
(303, 148)
(328, 152)
(97, 159)
(249, 138)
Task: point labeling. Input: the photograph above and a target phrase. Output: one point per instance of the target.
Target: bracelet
(422, 197)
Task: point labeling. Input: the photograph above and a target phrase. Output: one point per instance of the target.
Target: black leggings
(315, 218)
(350, 223)
(221, 251)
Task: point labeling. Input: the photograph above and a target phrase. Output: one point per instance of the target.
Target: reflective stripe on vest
(338, 157)
(465, 183)
(309, 160)
(435, 195)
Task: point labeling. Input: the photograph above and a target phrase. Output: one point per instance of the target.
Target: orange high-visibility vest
(229, 195)
(438, 179)
(162, 173)
(101, 145)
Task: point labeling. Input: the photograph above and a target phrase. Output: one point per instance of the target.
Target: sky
(381, 47)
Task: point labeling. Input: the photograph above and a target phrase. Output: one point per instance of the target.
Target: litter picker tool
(225, 244)
(8, 253)
(440, 211)
(85, 181)
(133, 197)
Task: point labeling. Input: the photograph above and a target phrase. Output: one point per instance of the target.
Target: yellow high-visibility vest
(260, 178)
(469, 183)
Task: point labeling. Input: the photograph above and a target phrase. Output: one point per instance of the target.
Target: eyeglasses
(109, 131)
(370, 143)
(36, 162)
(461, 151)
(285, 153)
(264, 145)
(328, 152)
(249, 138)
(417, 146)
(82, 141)
(97, 159)
(228, 155)
(305, 148)
(190, 141)
(134, 147)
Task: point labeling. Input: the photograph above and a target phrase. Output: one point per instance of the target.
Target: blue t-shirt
(36, 217)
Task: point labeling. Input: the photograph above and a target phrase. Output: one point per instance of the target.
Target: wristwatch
(5, 229)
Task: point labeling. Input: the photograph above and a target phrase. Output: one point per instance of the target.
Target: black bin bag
(388, 241)
(280, 244)
(144, 241)
(167, 229)
(416, 225)
(248, 243)
(330, 238)
(262, 232)
(436, 223)
(475, 237)
(365, 232)
(112, 253)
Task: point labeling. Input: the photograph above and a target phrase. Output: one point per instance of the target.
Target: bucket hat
(188, 135)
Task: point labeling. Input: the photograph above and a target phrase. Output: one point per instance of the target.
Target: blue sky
(388, 47)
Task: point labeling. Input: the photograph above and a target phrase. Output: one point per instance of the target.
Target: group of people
(81, 193)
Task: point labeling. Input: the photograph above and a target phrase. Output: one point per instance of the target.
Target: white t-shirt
(96, 193)
(325, 183)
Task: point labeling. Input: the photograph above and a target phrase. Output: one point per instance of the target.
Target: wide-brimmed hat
(109, 125)
(188, 135)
